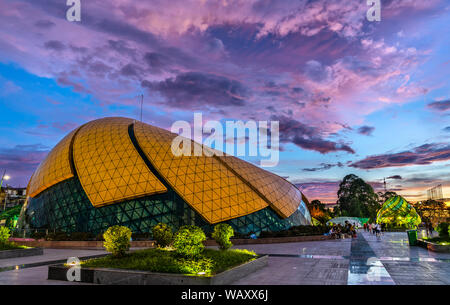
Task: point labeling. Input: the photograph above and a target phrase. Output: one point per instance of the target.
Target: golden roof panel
(54, 168)
(108, 165)
(284, 197)
(205, 183)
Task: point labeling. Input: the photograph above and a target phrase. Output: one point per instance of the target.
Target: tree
(383, 197)
(356, 198)
(318, 211)
(316, 204)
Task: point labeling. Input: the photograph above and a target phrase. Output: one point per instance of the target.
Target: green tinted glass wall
(65, 207)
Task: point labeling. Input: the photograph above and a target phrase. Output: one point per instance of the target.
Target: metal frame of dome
(397, 209)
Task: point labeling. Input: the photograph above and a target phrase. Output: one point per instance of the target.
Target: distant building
(12, 196)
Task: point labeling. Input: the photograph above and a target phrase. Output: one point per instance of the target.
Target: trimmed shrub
(443, 229)
(188, 241)
(4, 235)
(162, 234)
(117, 240)
(222, 233)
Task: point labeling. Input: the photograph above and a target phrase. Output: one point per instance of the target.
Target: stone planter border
(72, 244)
(433, 247)
(272, 240)
(20, 253)
(150, 243)
(109, 276)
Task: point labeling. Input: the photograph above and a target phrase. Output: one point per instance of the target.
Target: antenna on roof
(142, 102)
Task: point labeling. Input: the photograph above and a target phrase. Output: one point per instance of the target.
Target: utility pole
(6, 197)
(142, 102)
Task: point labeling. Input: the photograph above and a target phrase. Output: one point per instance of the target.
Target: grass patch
(444, 241)
(11, 246)
(166, 261)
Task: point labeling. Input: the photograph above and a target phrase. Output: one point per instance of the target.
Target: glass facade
(65, 207)
(396, 210)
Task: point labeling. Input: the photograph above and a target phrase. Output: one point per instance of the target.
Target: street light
(4, 177)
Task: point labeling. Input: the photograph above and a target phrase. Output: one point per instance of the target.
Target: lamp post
(4, 177)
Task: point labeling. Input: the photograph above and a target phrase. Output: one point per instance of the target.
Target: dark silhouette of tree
(383, 197)
(317, 204)
(356, 198)
(319, 211)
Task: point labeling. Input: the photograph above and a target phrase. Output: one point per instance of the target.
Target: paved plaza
(364, 260)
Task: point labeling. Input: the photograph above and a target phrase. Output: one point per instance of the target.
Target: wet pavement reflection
(364, 267)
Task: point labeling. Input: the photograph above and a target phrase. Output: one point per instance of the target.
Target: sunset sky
(351, 96)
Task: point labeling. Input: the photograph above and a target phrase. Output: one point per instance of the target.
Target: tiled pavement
(366, 260)
(22, 274)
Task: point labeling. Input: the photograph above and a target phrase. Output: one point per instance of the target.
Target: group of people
(374, 228)
(338, 231)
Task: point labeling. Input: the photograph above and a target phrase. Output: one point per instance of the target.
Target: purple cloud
(366, 130)
(395, 177)
(21, 161)
(54, 45)
(323, 166)
(194, 90)
(421, 155)
(440, 105)
(307, 137)
(44, 24)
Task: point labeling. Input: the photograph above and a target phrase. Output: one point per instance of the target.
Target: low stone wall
(150, 243)
(21, 253)
(107, 276)
(272, 240)
(77, 244)
(433, 247)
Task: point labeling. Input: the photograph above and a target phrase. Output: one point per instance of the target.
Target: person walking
(430, 229)
(378, 231)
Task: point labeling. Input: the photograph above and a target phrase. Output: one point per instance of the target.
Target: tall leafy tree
(317, 204)
(383, 197)
(356, 198)
(319, 211)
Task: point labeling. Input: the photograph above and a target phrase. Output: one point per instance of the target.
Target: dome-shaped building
(118, 171)
(397, 211)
